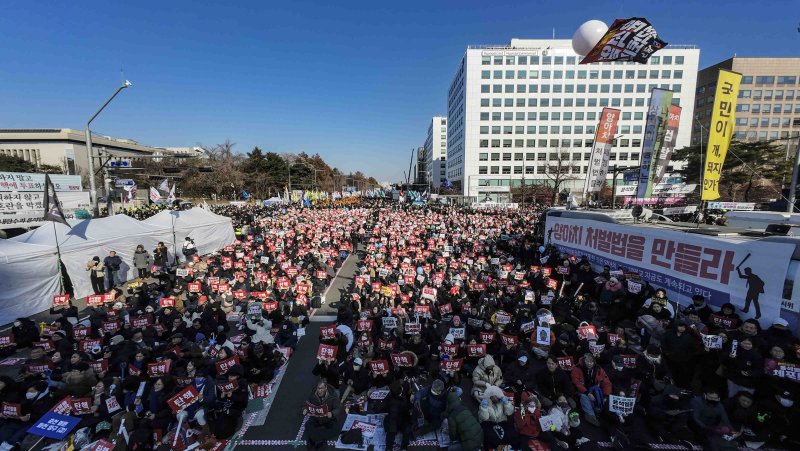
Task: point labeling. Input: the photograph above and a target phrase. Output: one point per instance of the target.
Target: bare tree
(560, 169)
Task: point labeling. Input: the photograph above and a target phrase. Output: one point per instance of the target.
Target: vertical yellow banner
(720, 132)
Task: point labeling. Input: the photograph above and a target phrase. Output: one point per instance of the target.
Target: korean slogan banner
(660, 100)
(720, 132)
(633, 39)
(682, 263)
(601, 150)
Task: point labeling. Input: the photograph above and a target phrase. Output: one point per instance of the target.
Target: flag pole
(58, 253)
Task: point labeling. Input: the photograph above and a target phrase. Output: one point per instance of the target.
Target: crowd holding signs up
(173, 359)
(469, 316)
(458, 322)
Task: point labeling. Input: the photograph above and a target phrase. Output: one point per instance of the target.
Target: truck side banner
(684, 264)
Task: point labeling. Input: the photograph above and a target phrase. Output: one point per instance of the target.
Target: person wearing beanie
(431, 402)
(700, 307)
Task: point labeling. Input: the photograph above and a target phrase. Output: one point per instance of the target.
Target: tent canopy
(29, 274)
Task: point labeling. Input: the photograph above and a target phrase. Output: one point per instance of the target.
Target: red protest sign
(476, 350)
(552, 283)
(488, 337)
(183, 399)
(227, 387)
(283, 283)
(80, 406)
(224, 365)
(546, 272)
(194, 287)
(81, 332)
(111, 326)
(317, 410)
(99, 366)
(270, 306)
(379, 366)
(445, 309)
(721, 321)
(565, 362)
(328, 332)
(455, 290)
(376, 286)
(449, 349)
(11, 409)
(360, 280)
(260, 391)
(402, 359)
(321, 274)
(422, 309)
(326, 352)
(629, 360)
(157, 369)
(63, 406)
(429, 292)
(94, 300)
(7, 340)
(509, 340)
(133, 371)
(142, 321)
(87, 345)
(167, 302)
(452, 364)
(47, 345)
(364, 325)
(61, 299)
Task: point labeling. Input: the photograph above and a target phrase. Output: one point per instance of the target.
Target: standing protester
(112, 264)
(97, 274)
(160, 255)
(141, 261)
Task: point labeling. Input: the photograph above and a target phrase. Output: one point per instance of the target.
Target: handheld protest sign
(326, 352)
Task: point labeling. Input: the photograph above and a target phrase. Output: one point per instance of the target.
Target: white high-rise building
(436, 151)
(514, 109)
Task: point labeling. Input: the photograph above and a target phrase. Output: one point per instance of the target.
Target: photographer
(189, 249)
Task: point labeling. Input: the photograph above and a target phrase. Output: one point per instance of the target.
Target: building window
(507, 156)
(484, 130)
(787, 80)
(482, 170)
(486, 60)
(517, 169)
(765, 80)
(506, 169)
(495, 169)
(484, 143)
(483, 156)
(495, 157)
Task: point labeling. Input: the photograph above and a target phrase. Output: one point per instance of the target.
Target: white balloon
(587, 36)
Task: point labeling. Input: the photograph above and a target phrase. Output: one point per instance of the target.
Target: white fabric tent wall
(210, 232)
(97, 237)
(29, 278)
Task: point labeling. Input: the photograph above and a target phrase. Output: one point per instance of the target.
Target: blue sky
(354, 81)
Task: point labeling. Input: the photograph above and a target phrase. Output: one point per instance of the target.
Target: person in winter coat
(321, 428)
(112, 265)
(708, 416)
(679, 348)
(262, 329)
(520, 375)
(526, 420)
(141, 261)
(398, 419)
(485, 375)
(97, 274)
(160, 255)
(494, 411)
(466, 433)
(287, 334)
(744, 370)
(570, 420)
(592, 385)
(552, 381)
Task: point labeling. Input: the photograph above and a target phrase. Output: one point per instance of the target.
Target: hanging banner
(664, 155)
(685, 264)
(720, 132)
(601, 150)
(632, 39)
(660, 99)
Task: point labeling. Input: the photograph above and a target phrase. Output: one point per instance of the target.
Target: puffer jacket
(262, 333)
(495, 412)
(141, 259)
(485, 375)
(464, 427)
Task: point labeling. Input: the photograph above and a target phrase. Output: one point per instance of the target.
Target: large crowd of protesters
(457, 320)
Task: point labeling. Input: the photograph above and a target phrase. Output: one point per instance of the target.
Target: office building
(66, 148)
(436, 151)
(513, 109)
(420, 168)
(768, 107)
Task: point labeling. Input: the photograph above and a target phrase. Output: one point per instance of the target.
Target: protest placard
(621, 404)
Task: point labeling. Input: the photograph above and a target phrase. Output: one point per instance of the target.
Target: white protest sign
(458, 332)
(265, 260)
(621, 405)
(550, 422)
(634, 287)
(181, 272)
(712, 341)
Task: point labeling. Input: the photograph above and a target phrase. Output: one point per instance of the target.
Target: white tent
(209, 231)
(28, 279)
(35, 251)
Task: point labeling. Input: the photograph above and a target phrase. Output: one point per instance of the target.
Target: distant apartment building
(513, 109)
(436, 151)
(768, 107)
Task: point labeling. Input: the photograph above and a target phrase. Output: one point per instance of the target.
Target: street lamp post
(89, 153)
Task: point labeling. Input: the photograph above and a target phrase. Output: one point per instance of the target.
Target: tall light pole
(793, 183)
(89, 153)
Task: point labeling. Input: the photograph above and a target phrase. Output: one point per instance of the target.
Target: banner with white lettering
(601, 149)
(683, 264)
